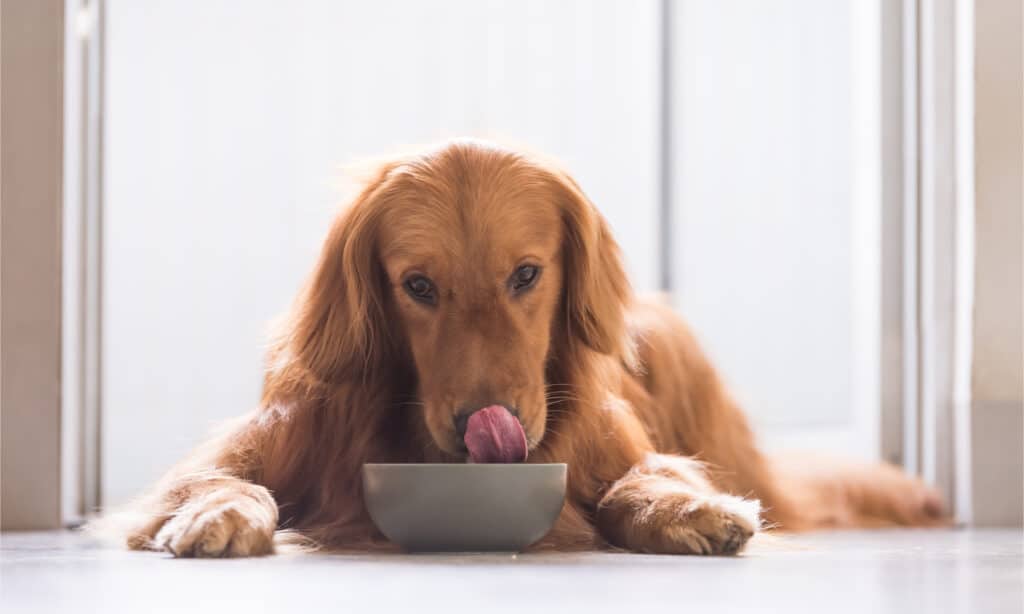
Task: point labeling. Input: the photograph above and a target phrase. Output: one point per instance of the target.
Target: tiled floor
(863, 572)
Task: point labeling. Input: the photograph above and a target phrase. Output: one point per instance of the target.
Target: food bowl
(464, 508)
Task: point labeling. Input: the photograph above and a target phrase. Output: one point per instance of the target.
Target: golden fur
(616, 387)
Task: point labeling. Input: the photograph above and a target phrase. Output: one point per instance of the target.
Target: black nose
(461, 419)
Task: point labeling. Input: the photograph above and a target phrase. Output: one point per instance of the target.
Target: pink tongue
(493, 435)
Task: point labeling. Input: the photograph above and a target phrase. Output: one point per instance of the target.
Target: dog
(471, 304)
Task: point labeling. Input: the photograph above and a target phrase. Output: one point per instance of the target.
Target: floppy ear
(337, 328)
(597, 291)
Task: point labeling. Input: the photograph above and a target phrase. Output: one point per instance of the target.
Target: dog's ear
(597, 290)
(337, 327)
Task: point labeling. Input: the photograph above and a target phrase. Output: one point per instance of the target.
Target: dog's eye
(421, 289)
(524, 277)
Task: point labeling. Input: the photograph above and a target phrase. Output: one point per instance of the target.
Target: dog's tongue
(493, 435)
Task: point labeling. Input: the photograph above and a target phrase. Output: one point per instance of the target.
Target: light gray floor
(866, 572)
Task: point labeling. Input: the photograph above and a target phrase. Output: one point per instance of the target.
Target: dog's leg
(665, 504)
(212, 517)
(839, 493)
(206, 506)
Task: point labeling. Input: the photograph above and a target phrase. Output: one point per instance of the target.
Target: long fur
(660, 457)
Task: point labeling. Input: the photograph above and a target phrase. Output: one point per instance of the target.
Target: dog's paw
(226, 522)
(714, 524)
(919, 505)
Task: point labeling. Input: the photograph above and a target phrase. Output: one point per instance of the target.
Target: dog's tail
(821, 492)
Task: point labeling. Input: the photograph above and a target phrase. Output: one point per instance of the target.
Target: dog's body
(470, 275)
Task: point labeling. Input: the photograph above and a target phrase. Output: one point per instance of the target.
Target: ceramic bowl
(464, 507)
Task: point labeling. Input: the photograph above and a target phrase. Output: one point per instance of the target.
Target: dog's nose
(461, 419)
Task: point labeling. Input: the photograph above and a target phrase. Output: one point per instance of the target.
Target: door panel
(776, 212)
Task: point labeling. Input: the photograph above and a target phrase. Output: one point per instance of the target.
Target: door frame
(928, 242)
(81, 399)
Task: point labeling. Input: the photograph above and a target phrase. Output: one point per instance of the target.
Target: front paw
(232, 521)
(716, 524)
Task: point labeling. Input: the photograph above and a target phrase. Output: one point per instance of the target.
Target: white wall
(777, 209)
(225, 124)
(997, 411)
(32, 44)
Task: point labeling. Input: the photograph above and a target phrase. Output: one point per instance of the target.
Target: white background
(224, 130)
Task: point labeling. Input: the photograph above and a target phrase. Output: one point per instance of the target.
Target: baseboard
(997, 467)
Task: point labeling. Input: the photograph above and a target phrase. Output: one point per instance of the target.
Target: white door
(224, 126)
(777, 210)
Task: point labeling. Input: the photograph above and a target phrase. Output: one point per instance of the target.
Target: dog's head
(475, 267)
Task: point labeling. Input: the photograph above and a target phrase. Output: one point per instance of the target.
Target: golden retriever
(471, 276)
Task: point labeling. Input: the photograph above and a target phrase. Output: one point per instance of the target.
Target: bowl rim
(476, 465)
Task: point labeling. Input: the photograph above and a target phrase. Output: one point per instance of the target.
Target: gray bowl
(464, 508)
